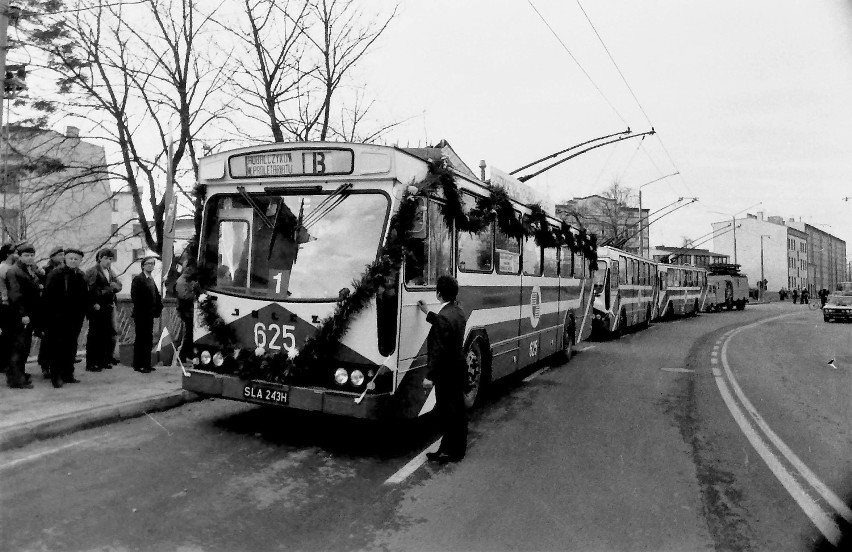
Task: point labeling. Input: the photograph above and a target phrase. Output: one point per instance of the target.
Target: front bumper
(316, 399)
(837, 314)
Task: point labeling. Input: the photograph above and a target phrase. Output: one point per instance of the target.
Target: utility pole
(4, 26)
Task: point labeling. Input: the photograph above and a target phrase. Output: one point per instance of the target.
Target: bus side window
(475, 251)
(508, 253)
(580, 269)
(566, 263)
(551, 262)
(532, 257)
(434, 253)
(622, 271)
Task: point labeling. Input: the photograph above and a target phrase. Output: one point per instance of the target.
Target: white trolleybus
(683, 290)
(273, 289)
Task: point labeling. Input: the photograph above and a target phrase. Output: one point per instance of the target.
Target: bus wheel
(741, 304)
(568, 340)
(473, 386)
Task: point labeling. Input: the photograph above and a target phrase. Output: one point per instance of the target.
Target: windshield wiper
(327, 205)
(277, 229)
(258, 211)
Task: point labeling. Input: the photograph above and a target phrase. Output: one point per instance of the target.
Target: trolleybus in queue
(625, 289)
(682, 290)
(290, 226)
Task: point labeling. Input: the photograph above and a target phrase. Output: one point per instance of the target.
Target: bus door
(503, 333)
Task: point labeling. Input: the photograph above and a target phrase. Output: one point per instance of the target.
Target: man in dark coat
(24, 300)
(103, 286)
(147, 305)
(8, 258)
(66, 298)
(447, 370)
(56, 260)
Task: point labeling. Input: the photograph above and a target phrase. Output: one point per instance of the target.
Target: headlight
(218, 359)
(357, 378)
(341, 376)
(205, 357)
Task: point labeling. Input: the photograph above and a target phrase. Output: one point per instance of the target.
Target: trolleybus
(625, 290)
(274, 289)
(682, 290)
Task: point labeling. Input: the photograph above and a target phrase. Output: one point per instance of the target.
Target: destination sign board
(290, 163)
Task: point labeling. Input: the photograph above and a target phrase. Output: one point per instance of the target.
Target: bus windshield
(301, 246)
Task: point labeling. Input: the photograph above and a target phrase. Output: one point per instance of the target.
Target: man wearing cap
(147, 305)
(103, 286)
(8, 258)
(67, 295)
(24, 298)
(56, 260)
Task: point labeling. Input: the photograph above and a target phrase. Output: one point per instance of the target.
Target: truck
(727, 288)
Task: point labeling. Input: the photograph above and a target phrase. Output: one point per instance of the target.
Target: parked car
(838, 307)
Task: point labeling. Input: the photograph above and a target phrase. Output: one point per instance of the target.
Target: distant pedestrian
(782, 294)
(186, 290)
(8, 258)
(795, 295)
(147, 305)
(103, 287)
(823, 297)
(54, 261)
(447, 370)
(24, 298)
(66, 295)
(803, 298)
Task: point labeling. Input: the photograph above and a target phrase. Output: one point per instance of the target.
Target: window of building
(114, 205)
(137, 229)
(114, 229)
(138, 253)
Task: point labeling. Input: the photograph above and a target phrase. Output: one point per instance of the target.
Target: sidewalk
(101, 398)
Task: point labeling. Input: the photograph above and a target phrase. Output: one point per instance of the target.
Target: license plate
(265, 394)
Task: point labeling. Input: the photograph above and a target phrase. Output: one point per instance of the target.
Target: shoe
(22, 385)
(72, 380)
(115, 361)
(146, 370)
(93, 368)
(135, 369)
(107, 366)
(45, 371)
(28, 378)
(57, 383)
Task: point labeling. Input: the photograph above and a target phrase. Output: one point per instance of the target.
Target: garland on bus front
(384, 271)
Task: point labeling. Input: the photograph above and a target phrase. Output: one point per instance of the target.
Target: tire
(741, 305)
(474, 385)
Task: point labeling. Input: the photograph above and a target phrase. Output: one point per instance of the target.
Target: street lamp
(641, 229)
(760, 285)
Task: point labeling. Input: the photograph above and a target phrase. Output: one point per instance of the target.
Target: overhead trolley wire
(578, 63)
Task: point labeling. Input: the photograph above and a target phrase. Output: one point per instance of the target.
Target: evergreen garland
(283, 366)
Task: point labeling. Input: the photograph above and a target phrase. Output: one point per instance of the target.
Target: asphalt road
(629, 446)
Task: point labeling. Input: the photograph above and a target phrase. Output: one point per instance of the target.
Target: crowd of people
(52, 301)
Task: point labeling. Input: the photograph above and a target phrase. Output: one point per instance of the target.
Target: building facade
(54, 191)
(795, 255)
(609, 220)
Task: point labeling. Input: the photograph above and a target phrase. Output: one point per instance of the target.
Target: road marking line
(714, 361)
(803, 469)
(589, 348)
(714, 354)
(684, 370)
(823, 522)
(536, 374)
(717, 372)
(42, 454)
(412, 466)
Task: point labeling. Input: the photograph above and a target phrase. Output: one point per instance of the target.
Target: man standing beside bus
(447, 370)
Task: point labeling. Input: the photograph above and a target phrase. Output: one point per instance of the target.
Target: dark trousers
(62, 336)
(186, 346)
(22, 340)
(5, 338)
(452, 418)
(100, 341)
(144, 342)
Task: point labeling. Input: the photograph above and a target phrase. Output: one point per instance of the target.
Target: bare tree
(610, 215)
(135, 71)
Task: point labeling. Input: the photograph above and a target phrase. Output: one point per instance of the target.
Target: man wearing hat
(24, 299)
(56, 260)
(103, 286)
(66, 295)
(147, 305)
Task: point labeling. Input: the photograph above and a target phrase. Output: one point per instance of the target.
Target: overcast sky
(752, 101)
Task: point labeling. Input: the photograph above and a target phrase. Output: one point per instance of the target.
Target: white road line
(791, 457)
(825, 524)
(589, 348)
(536, 374)
(683, 370)
(714, 361)
(412, 466)
(41, 454)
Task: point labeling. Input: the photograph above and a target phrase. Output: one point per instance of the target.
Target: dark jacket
(186, 291)
(445, 345)
(147, 301)
(24, 291)
(66, 296)
(102, 290)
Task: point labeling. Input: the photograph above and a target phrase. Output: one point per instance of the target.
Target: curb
(64, 424)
